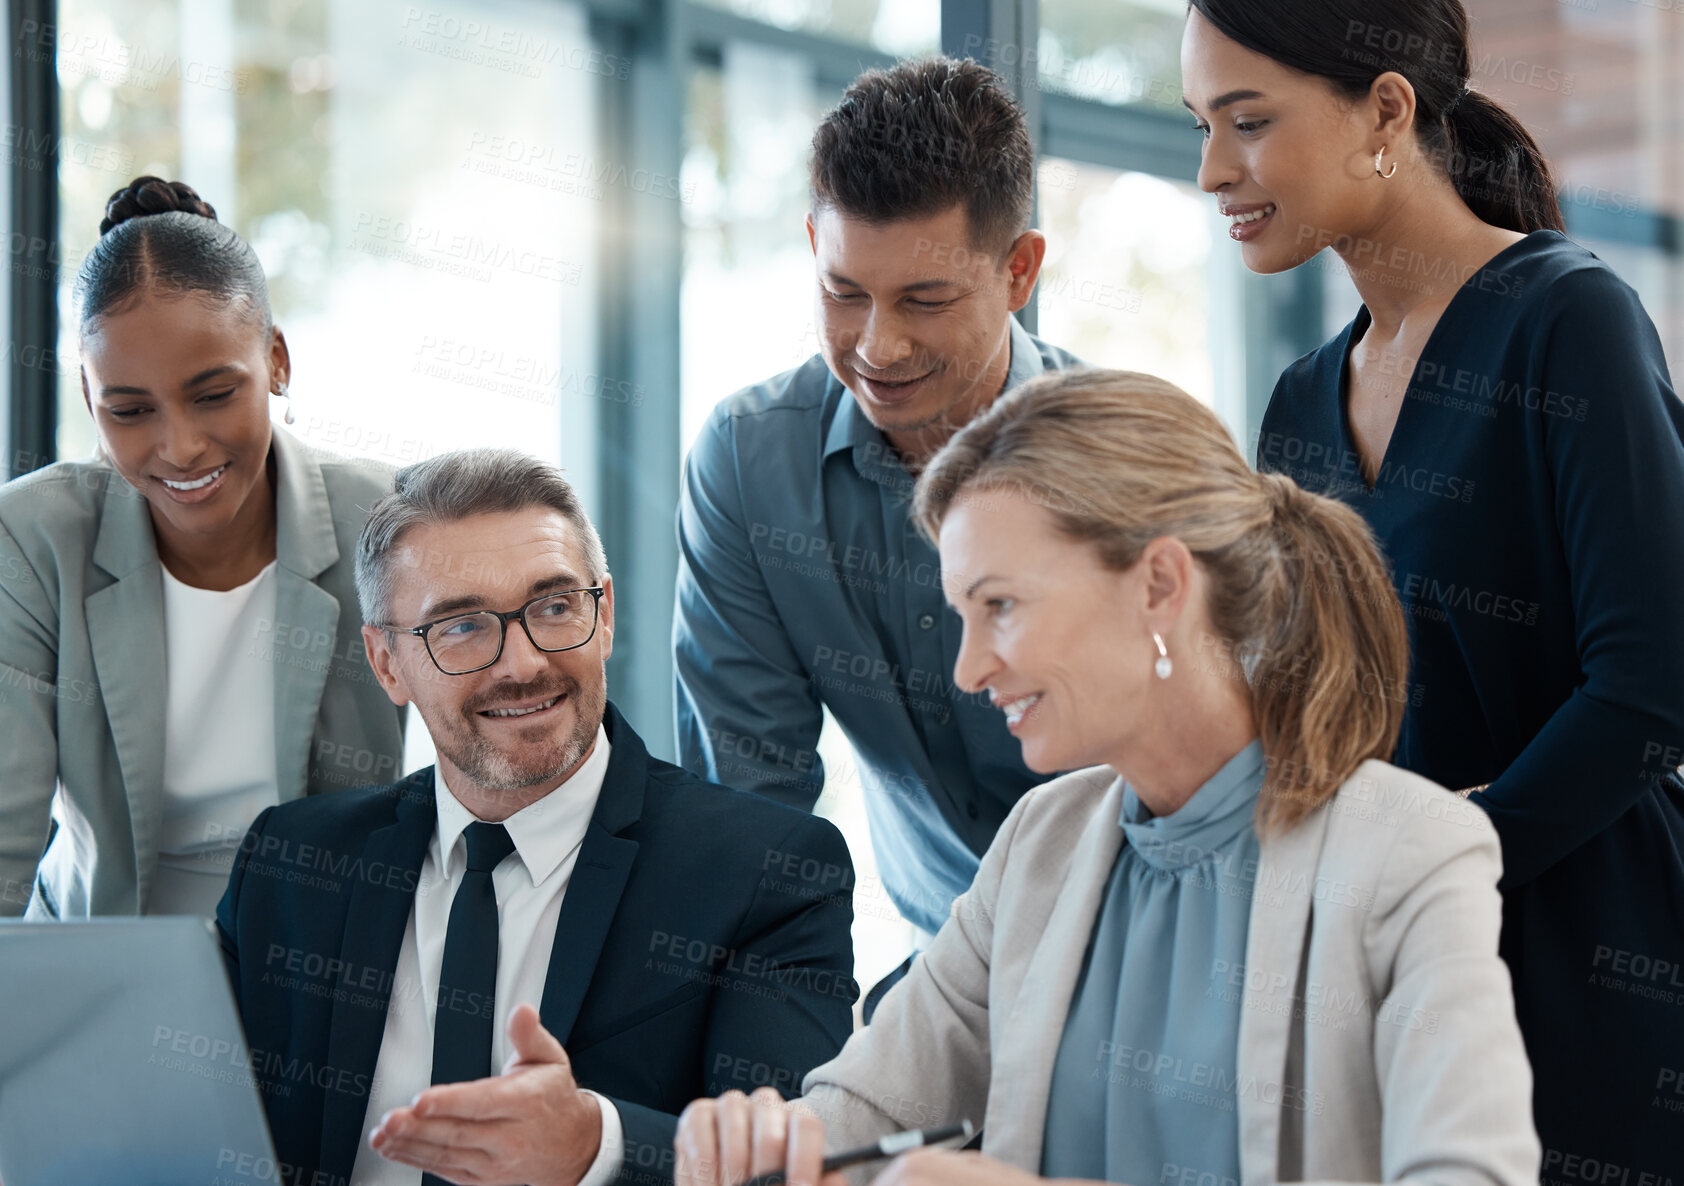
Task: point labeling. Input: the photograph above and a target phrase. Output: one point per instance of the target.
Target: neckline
(1360, 324)
(171, 579)
(1195, 832)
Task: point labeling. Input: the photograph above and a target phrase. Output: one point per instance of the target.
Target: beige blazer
(1378, 1040)
(82, 677)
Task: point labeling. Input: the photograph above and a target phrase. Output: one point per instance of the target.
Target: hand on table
(531, 1124)
(726, 1141)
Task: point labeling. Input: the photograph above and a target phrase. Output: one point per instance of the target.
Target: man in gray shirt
(803, 583)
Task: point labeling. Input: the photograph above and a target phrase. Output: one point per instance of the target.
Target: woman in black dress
(1501, 413)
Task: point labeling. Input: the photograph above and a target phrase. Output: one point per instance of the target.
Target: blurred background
(576, 225)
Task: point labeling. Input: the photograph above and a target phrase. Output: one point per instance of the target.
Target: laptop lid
(122, 1058)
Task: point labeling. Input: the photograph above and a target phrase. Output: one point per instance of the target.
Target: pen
(892, 1145)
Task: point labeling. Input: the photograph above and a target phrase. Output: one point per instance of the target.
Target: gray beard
(492, 769)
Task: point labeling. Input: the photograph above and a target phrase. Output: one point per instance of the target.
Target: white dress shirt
(530, 884)
(219, 737)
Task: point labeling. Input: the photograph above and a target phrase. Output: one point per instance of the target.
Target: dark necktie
(465, 1014)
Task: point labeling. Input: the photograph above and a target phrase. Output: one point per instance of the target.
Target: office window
(1127, 277)
(900, 27)
(1597, 85)
(1113, 51)
(422, 184)
(747, 295)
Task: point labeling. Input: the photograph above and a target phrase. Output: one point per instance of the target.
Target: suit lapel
(599, 879)
(305, 547)
(587, 910)
(1275, 944)
(375, 922)
(306, 612)
(125, 624)
(1029, 1039)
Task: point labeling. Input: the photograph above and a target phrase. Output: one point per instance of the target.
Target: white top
(530, 884)
(219, 736)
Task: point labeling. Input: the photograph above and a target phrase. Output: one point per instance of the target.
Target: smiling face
(1060, 643)
(178, 387)
(915, 319)
(510, 733)
(1290, 161)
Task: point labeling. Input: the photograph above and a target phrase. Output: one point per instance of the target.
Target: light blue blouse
(1143, 1090)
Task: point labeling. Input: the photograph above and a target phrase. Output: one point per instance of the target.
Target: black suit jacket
(703, 945)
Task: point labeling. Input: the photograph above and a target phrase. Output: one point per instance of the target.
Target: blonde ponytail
(1328, 684)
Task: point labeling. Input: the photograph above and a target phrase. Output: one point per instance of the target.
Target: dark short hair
(921, 138)
(455, 486)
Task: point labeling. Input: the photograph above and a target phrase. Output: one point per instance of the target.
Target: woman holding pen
(1236, 944)
(1500, 414)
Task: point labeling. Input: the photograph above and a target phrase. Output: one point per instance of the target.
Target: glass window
(1126, 280)
(1597, 84)
(1114, 52)
(747, 296)
(899, 27)
(422, 184)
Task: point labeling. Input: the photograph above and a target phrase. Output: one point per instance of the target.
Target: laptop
(122, 1059)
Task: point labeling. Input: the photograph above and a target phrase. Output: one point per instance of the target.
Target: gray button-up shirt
(803, 584)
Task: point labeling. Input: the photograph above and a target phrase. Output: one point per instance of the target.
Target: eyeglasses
(465, 643)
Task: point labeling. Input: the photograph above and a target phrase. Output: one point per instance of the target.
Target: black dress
(1531, 508)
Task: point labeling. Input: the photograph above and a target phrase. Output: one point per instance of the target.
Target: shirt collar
(850, 428)
(1218, 811)
(545, 832)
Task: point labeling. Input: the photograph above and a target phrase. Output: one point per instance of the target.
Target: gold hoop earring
(1377, 158)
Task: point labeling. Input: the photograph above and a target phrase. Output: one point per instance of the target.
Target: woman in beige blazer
(1235, 945)
(179, 635)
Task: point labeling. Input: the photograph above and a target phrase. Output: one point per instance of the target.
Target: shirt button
(926, 621)
(970, 810)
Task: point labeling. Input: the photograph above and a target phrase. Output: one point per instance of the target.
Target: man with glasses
(617, 936)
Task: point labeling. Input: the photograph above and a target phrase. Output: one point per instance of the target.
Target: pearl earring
(1163, 666)
(281, 390)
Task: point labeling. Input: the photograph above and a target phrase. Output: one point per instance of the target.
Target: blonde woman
(1236, 944)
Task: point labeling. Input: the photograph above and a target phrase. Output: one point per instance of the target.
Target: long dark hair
(1492, 160)
(161, 235)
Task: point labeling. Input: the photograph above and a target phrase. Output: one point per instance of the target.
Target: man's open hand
(531, 1124)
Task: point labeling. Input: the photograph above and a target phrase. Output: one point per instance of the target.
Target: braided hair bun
(153, 195)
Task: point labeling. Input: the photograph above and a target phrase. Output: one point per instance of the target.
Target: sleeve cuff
(611, 1151)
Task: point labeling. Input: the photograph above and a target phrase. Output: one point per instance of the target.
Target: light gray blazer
(1378, 1040)
(82, 679)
